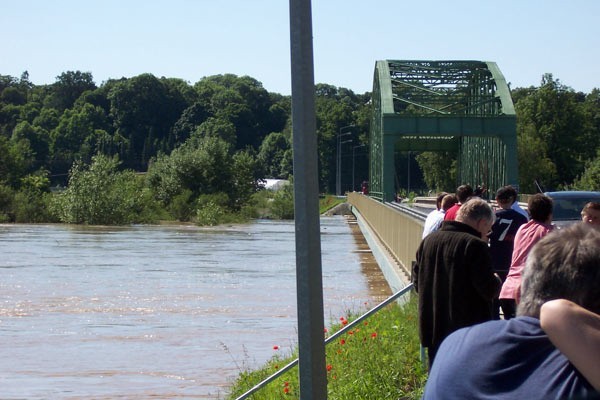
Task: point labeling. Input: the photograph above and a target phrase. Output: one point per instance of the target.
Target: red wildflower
(344, 322)
(286, 390)
(329, 366)
(325, 330)
(350, 332)
(342, 341)
(286, 384)
(374, 335)
(275, 347)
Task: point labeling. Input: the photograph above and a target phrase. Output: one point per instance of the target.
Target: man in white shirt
(436, 217)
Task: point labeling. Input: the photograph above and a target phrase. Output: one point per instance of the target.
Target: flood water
(158, 312)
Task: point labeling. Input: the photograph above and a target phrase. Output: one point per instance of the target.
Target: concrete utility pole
(313, 377)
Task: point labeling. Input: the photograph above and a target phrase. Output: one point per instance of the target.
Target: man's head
(438, 200)
(591, 213)
(540, 208)
(448, 201)
(463, 192)
(565, 264)
(478, 214)
(506, 196)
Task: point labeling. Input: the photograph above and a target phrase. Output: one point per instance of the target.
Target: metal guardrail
(337, 334)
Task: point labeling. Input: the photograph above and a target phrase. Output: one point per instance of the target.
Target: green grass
(377, 359)
(327, 202)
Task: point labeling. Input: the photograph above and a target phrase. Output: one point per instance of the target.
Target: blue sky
(191, 39)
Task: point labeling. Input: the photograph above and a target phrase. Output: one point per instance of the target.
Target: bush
(211, 209)
(100, 194)
(282, 206)
(181, 206)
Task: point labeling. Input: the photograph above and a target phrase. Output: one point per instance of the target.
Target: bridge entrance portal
(457, 106)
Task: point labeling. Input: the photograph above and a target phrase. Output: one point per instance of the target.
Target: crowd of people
(508, 306)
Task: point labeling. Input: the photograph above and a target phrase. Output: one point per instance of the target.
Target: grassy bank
(377, 360)
(327, 202)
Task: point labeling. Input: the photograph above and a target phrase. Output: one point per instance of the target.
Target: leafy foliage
(590, 179)
(224, 133)
(439, 170)
(99, 194)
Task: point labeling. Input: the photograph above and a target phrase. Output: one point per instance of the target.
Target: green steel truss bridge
(458, 106)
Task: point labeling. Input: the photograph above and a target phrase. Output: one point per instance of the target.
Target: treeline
(201, 146)
(145, 148)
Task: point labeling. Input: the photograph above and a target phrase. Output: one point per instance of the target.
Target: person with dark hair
(515, 205)
(528, 234)
(463, 193)
(434, 216)
(453, 275)
(591, 213)
(502, 238)
(516, 359)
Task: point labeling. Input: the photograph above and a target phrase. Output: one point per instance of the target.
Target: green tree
(439, 170)
(535, 167)
(552, 118)
(32, 201)
(273, 155)
(187, 123)
(282, 206)
(590, 179)
(76, 136)
(144, 110)
(100, 194)
(244, 102)
(201, 165)
(215, 127)
(68, 87)
(246, 174)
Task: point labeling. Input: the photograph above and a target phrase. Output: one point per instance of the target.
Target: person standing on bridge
(540, 208)
(502, 239)
(434, 216)
(453, 275)
(463, 193)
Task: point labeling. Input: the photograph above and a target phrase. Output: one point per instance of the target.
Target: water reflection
(156, 311)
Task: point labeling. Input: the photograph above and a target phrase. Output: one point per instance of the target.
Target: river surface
(158, 312)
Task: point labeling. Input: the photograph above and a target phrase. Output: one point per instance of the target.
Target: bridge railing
(399, 232)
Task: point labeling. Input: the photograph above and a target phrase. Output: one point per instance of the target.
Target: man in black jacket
(453, 275)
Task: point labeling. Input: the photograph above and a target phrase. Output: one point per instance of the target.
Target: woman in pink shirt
(540, 210)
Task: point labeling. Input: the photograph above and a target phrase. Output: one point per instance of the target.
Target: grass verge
(378, 359)
(327, 202)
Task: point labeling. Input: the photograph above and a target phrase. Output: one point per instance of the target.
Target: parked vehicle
(568, 205)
